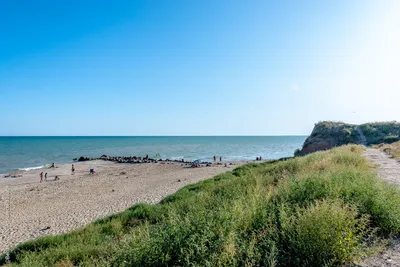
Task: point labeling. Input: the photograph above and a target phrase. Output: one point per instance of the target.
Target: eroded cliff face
(327, 135)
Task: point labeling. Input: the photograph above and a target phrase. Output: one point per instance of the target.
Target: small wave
(31, 168)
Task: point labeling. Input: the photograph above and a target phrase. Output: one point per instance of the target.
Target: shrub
(327, 233)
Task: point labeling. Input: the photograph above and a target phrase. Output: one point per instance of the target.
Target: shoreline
(22, 170)
(75, 200)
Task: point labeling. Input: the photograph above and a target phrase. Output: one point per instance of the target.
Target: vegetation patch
(381, 132)
(324, 209)
(392, 149)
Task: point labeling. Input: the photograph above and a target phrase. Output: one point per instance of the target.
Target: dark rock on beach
(134, 159)
(83, 159)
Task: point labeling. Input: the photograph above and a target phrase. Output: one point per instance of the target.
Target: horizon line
(153, 135)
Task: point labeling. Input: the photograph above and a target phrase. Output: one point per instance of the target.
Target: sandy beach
(27, 206)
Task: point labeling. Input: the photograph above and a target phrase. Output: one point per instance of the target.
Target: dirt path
(389, 170)
(363, 139)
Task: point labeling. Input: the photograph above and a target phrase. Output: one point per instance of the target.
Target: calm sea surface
(32, 152)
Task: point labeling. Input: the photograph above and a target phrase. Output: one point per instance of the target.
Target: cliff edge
(328, 134)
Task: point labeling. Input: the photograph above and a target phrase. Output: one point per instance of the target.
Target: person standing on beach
(45, 177)
(215, 158)
(41, 176)
(73, 169)
(220, 158)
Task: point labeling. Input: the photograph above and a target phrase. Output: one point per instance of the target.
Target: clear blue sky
(196, 67)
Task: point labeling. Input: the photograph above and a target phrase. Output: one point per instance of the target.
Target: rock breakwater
(134, 159)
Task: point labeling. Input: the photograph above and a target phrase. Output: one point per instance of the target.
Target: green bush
(327, 233)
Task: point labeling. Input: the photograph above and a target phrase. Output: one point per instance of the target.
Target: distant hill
(328, 134)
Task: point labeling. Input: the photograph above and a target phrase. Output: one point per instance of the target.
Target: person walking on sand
(41, 176)
(73, 169)
(45, 177)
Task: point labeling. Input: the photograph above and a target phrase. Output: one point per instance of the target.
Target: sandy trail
(363, 139)
(389, 170)
(27, 206)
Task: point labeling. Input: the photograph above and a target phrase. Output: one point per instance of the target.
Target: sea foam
(31, 168)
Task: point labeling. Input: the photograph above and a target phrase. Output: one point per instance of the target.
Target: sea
(26, 153)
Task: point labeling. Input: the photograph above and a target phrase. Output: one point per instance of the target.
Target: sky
(207, 67)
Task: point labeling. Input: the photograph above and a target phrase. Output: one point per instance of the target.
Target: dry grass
(392, 149)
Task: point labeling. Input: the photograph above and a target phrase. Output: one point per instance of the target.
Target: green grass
(324, 209)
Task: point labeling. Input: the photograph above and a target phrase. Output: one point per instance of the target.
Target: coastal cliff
(327, 135)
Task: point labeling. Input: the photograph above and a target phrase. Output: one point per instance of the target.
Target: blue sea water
(32, 152)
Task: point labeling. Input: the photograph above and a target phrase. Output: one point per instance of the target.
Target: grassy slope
(321, 209)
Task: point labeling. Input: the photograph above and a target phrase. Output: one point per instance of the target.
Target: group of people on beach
(41, 175)
(258, 158)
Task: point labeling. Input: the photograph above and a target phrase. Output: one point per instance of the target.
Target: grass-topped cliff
(323, 209)
(327, 134)
(381, 132)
